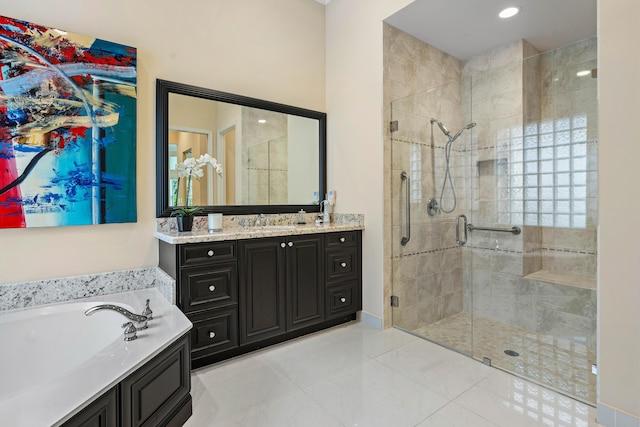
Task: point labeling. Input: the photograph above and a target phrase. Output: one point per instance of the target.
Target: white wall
(619, 206)
(355, 126)
(272, 50)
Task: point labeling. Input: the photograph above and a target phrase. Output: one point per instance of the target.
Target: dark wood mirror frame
(164, 88)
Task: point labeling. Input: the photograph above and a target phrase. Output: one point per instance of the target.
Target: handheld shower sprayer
(447, 176)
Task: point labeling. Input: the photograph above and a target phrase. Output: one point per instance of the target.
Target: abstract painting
(67, 128)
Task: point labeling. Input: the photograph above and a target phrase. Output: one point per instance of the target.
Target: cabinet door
(103, 412)
(262, 291)
(305, 281)
(152, 394)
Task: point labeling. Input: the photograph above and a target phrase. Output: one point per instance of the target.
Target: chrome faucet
(137, 322)
(256, 223)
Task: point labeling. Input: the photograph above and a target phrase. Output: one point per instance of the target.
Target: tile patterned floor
(557, 363)
(355, 375)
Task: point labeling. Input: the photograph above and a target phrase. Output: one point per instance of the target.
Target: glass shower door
(429, 280)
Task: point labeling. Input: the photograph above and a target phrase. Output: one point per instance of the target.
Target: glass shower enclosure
(494, 224)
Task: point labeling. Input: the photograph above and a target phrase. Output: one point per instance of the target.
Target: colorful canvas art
(67, 128)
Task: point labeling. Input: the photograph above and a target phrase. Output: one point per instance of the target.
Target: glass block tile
(546, 206)
(516, 180)
(562, 193)
(563, 151)
(531, 167)
(563, 123)
(546, 193)
(546, 220)
(531, 219)
(546, 166)
(579, 178)
(531, 180)
(531, 128)
(546, 126)
(579, 149)
(563, 207)
(579, 207)
(579, 135)
(562, 220)
(546, 179)
(580, 164)
(531, 193)
(531, 154)
(563, 165)
(531, 206)
(563, 138)
(579, 221)
(579, 121)
(579, 192)
(531, 142)
(546, 153)
(563, 179)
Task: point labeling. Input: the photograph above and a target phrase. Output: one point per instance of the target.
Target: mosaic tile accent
(557, 363)
(28, 294)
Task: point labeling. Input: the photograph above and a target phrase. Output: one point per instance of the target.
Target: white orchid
(193, 168)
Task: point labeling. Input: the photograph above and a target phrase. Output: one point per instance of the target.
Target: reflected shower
(437, 206)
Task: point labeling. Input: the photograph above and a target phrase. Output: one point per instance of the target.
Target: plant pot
(185, 223)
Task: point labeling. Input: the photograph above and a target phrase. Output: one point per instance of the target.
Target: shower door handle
(464, 227)
(405, 239)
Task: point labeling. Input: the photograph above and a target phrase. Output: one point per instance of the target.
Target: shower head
(453, 138)
(442, 127)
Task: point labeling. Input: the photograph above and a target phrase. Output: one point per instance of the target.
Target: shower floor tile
(554, 362)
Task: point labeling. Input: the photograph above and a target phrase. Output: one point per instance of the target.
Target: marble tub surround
(66, 393)
(279, 225)
(29, 294)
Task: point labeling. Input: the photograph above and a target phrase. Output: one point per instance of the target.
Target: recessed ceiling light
(262, 121)
(583, 73)
(509, 12)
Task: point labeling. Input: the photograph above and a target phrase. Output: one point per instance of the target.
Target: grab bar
(513, 230)
(405, 239)
(458, 241)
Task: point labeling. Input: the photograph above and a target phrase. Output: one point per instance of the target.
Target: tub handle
(130, 331)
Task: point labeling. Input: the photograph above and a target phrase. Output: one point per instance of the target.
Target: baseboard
(611, 417)
(371, 320)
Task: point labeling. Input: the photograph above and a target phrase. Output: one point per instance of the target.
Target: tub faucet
(137, 322)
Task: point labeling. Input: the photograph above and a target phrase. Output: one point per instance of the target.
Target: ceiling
(467, 28)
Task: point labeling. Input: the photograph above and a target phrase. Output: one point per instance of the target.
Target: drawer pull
(212, 335)
(210, 253)
(290, 244)
(343, 264)
(212, 288)
(343, 299)
(283, 245)
(342, 239)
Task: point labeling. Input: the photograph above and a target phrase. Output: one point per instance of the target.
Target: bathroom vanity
(244, 289)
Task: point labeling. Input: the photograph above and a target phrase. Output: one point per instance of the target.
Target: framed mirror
(272, 156)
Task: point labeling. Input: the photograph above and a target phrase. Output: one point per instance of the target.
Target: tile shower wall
(264, 157)
(503, 93)
(426, 273)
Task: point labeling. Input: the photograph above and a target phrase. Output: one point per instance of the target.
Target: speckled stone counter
(279, 225)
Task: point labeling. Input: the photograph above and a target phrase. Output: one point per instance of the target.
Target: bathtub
(55, 360)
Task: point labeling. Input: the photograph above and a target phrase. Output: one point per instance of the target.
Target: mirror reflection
(271, 155)
(267, 157)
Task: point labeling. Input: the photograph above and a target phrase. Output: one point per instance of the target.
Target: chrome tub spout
(136, 322)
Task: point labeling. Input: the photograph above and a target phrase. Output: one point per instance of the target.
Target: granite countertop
(237, 233)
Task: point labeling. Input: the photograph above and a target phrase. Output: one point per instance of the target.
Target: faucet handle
(147, 311)
(130, 331)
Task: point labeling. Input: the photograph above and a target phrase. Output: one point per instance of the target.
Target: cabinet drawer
(213, 331)
(342, 299)
(342, 265)
(346, 238)
(206, 253)
(208, 286)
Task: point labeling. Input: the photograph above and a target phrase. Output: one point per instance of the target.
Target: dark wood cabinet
(206, 277)
(155, 395)
(262, 289)
(247, 294)
(344, 273)
(102, 412)
(281, 285)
